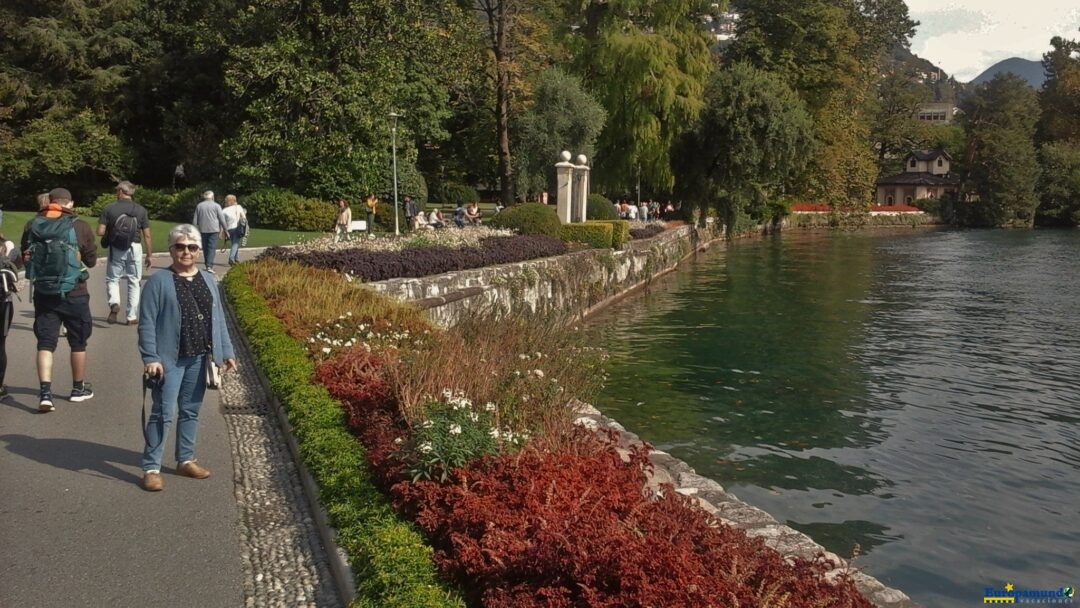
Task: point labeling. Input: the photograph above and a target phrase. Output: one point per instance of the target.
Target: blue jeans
(182, 388)
(125, 264)
(209, 248)
(234, 246)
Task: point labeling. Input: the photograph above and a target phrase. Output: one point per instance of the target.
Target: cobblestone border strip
(282, 542)
(711, 497)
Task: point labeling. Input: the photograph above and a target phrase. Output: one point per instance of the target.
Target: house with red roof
(927, 174)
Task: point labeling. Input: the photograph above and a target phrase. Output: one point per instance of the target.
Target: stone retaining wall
(581, 283)
(578, 283)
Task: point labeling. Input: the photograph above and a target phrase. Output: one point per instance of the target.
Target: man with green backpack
(58, 248)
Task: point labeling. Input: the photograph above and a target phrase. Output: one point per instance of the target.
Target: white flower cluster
(330, 335)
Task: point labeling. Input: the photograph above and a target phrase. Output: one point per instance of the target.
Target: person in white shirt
(631, 212)
(435, 219)
(234, 215)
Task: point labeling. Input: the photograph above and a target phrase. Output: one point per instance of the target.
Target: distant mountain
(942, 87)
(1031, 71)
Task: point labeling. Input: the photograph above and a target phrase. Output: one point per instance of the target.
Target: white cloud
(964, 37)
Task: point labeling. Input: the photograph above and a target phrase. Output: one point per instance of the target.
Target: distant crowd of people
(414, 217)
(645, 211)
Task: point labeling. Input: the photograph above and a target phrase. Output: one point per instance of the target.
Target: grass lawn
(14, 221)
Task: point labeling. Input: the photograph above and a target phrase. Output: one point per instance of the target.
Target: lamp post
(393, 136)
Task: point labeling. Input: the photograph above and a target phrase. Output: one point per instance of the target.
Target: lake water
(915, 394)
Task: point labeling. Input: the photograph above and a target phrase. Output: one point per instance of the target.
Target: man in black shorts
(60, 300)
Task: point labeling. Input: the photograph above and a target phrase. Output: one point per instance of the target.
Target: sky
(964, 37)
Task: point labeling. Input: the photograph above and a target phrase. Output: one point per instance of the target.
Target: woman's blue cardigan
(159, 321)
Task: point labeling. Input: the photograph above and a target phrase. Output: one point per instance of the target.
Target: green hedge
(393, 565)
(599, 207)
(595, 234)
(620, 231)
(530, 218)
(449, 194)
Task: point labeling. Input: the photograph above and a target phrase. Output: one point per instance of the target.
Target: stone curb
(336, 556)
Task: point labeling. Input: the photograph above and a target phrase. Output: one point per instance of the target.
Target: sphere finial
(582, 159)
(566, 156)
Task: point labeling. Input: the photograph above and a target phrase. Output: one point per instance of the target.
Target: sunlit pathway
(76, 529)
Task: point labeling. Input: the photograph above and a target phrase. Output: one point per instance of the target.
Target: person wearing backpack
(58, 248)
(124, 228)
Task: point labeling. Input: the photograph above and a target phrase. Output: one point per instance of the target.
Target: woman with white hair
(181, 326)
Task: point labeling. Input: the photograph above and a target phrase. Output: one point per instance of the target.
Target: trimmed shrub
(270, 207)
(928, 205)
(86, 213)
(311, 215)
(620, 231)
(159, 205)
(529, 219)
(599, 207)
(392, 563)
(384, 215)
(99, 203)
(423, 261)
(597, 235)
(450, 194)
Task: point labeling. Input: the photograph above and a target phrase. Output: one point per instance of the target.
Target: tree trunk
(498, 17)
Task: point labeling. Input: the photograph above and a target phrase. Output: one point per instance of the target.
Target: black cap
(59, 194)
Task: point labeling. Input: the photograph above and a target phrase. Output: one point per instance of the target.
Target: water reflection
(913, 393)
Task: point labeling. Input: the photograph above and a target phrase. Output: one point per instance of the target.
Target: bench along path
(76, 529)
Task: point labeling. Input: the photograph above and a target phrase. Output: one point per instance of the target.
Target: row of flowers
(470, 433)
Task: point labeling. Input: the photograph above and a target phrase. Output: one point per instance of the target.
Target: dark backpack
(54, 265)
(123, 231)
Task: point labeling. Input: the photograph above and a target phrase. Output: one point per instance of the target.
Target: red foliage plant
(565, 530)
(358, 378)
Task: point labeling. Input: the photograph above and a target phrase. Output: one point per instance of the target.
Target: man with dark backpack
(124, 228)
(58, 248)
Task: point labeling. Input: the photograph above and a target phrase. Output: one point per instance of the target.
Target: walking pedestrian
(58, 248)
(236, 226)
(9, 277)
(372, 203)
(181, 328)
(210, 221)
(412, 211)
(344, 218)
(124, 228)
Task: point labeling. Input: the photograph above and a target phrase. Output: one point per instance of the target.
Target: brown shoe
(193, 470)
(114, 309)
(152, 482)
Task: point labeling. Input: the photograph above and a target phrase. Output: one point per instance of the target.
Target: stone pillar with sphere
(564, 178)
(581, 195)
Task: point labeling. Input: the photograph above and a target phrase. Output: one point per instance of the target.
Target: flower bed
(470, 432)
(646, 233)
(368, 265)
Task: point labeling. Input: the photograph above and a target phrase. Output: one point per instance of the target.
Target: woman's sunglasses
(191, 247)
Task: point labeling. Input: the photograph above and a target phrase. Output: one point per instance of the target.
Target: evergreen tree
(1060, 96)
(754, 137)
(63, 66)
(315, 83)
(563, 116)
(1003, 170)
(1059, 188)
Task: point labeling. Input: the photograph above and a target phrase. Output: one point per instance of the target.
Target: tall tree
(1000, 119)
(830, 52)
(316, 81)
(563, 116)
(647, 62)
(752, 139)
(1059, 188)
(896, 128)
(63, 66)
(1060, 96)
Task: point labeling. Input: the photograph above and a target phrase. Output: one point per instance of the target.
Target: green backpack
(54, 266)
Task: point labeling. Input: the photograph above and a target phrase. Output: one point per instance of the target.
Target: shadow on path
(74, 455)
(11, 401)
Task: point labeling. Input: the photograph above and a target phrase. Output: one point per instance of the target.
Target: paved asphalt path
(75, 527)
